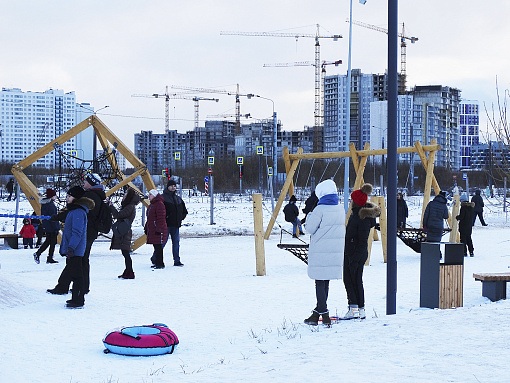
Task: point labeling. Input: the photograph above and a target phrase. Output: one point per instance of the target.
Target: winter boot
(122, 275)
(313, 320)
(472, 254)
(326, 320)
(36, 258)
(127, 275)
(353, 313)
(362, 313)
(50, 260)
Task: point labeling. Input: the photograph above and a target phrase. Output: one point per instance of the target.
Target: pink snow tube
(155, 339)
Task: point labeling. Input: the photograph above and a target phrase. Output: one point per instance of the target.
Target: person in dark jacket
(433, 218)
(291, 213)
(465, 219)
(39, 229)
(310, 204)
(51, 228)
(361, 221)
(156, 228)
(10, 188)
(402, 211)
(175, 213)
(74, 242)
(478, 209)
(126, 213)
(94, 190)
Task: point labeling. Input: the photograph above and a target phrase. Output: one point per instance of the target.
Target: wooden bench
(10, 240)
(493, 284)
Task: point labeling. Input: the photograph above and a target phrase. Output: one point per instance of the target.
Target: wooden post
(259, 235)
(379, 201)
(454, 234)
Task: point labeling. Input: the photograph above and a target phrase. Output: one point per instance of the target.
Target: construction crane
(317, 64)
(403, 48)
(222, 91)
(168, 96)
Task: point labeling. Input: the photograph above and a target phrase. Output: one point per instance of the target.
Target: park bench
(493, 284)
(10, 240)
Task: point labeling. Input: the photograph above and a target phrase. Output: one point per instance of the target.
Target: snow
(235, 326)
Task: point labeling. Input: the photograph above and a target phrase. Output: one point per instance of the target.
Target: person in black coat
(465, 219)
(51, 228)
(433, 218)
(310, 204)
(478, 209)
(176, 212)
(10, 188)
(291, 213)
(402, 211)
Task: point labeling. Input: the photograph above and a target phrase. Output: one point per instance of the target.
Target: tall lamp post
(348, 110)
(210, 162)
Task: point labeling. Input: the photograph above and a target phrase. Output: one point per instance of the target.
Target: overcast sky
(106, 51)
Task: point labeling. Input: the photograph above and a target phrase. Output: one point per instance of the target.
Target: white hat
(325, 187)
(154, 192)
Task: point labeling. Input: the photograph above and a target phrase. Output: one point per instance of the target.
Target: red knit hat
(360, 196)
(50, 193)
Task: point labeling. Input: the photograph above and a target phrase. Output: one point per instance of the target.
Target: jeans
(295, 225)
(321, 292)
(174, 236)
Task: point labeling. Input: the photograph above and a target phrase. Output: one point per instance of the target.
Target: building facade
(469, 125)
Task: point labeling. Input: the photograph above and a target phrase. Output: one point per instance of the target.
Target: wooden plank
(260, 258)
(451, 286)
(494, 277)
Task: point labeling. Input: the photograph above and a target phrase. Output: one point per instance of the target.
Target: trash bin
(441, 275)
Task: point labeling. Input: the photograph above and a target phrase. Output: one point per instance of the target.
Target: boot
(353, 313)
(326, 320)
(50, 260)
(312, 320)
(122, 275)
(127, 275)
(36, 258)
(362, 313)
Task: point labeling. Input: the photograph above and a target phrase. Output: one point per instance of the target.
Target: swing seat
(414, 237)
(298, 250)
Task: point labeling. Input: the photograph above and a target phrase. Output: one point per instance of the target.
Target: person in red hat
(361, 221)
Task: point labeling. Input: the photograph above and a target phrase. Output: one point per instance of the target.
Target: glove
(158, 233)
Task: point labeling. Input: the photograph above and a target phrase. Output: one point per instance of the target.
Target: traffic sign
(464, 176)
(240, 160)
(209, 171)
(210, 160)
(177, 156)
(269, 170)
(206, 179)
(260, 150)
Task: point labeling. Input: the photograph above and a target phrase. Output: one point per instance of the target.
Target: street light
(210, 163)
(275, 147)
(348, 110)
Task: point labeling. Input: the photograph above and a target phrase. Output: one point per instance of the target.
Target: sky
(235, 326)
(108, 51)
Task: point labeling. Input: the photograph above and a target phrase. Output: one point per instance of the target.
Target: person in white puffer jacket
(326, 225)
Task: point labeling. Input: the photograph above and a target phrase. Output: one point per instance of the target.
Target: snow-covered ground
(235, 326)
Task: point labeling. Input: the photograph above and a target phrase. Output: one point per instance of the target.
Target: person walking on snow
(175, 213)
(478, 209)
(51, 228)
(10, 188)
(326, 225)
(465, 219)
(156, 228)
(402, 211)
(126, 213)
(291, 212)
(433, 218)
(361, 221)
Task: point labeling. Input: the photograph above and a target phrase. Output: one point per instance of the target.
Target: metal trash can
(441, 275)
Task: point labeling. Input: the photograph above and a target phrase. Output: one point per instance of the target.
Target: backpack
(104, 218)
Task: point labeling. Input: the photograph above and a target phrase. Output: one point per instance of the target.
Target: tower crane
(403, 48)
(168, 96)
(317, 64)
(222, 91)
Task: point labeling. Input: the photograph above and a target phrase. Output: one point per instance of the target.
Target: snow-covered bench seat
(493, 284)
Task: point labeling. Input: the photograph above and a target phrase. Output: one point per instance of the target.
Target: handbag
(120, 228)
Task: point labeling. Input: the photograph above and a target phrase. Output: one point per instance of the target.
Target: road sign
(209, 171)
(240, 160)
(177, 156)
(210, 160)
(269, 170)
(206, 179)
(464, 176)
(260, 150)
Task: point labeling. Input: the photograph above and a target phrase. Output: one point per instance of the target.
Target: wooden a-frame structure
(108, 141)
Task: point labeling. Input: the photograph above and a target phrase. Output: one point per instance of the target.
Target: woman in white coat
(326, 225)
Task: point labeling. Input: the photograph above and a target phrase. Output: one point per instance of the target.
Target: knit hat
(325, 187)
(76, 192)
(93, 179)
(293, 198)
(50, 193)
(171, 182)
(26, 221)
(443, 193)
(360, 196)
(464, 197)
(154, 192)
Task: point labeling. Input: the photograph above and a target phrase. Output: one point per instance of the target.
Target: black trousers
(467, 241)
(479, 214)
(321, 292)
(158, 254)
(127, 260)
(50, 241)
(74, 265)
(353, 282)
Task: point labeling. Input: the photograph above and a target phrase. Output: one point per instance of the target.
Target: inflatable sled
(155, 339)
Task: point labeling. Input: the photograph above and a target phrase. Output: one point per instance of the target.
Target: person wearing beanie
(326, 225)
(291, 212)
(176, 212)
(478, 210)
(51, 227)
(402, 211)
(27, 232)
(156, 229)
(122, 241)
(433, 218)
(361, 221)
(465, 219)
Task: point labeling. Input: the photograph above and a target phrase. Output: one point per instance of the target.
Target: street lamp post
(348, 110)
(210, 162)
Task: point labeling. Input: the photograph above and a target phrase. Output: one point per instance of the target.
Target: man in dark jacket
(10, 188)
(51, 228)
(402, 211)
(310, 204)
(478, 209)
(433, 218)
(175, 213)
(291, 213)
(465, 219)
